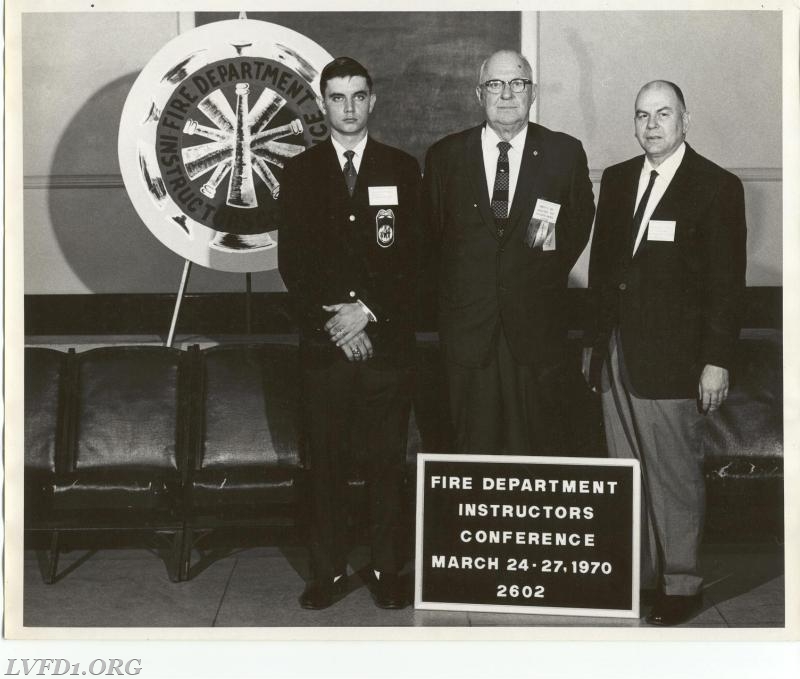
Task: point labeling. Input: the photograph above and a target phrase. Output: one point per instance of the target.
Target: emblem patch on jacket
(384, 227)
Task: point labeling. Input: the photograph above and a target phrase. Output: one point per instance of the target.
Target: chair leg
(171, 553)
(52, 559)
(186, 552)
(176, 558)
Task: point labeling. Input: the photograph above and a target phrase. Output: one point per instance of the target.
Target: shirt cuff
(370, 315)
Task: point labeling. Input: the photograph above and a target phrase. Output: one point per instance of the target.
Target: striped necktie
(500, 193)
(637, 217)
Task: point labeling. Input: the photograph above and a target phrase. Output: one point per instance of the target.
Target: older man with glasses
(510, 208)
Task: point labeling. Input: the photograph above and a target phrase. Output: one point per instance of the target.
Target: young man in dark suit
(347, 255)
(510, 206)
(666, 279)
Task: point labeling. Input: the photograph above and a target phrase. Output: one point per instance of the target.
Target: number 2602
(517, 592)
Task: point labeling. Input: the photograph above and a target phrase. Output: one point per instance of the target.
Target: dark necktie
(350, 174)
(639, 214)
(500, 193)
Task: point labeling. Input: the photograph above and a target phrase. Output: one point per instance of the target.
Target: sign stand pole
(187, 267)
(247, 302)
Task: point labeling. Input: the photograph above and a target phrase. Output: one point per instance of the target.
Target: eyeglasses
(517, 85)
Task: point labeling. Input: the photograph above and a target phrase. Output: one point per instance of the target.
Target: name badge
(661, 230)
(541, 233)
(546, 211)
(383, 195)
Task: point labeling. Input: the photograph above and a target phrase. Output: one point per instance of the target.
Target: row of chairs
(168, 441)
(180, 443)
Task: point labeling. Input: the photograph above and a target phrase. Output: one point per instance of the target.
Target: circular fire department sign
(205, 132)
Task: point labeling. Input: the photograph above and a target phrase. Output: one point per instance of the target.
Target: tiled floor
(259, 587)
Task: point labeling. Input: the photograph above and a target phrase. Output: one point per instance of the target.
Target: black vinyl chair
(124, 457)
(44, 437)
(246, 469)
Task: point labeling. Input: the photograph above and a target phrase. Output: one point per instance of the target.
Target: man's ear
(687, 118)
(479, 94)
(372, 100)
(321, 104)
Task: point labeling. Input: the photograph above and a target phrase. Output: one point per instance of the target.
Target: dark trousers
(506, 407)
(347, 407)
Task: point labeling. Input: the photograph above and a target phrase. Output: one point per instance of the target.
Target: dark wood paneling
(424, 64)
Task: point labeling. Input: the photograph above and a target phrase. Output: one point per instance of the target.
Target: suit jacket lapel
(366, 167)
(678, 193)
(473, 160)
(333, 174)
(524, 193)
(627, 205)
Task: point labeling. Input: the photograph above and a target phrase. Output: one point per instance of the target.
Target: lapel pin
(535, 153)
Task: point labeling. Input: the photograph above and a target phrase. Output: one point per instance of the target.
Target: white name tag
(383, 195)
(661, 230)
(546, 211)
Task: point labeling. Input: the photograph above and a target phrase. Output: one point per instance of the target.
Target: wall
(728, 64)
(83, 236)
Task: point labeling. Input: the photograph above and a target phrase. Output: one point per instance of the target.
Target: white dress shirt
(491, 153)
(666, 171)
(358, 150)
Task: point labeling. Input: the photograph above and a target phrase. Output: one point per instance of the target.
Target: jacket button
(623, 286)
(352, 218)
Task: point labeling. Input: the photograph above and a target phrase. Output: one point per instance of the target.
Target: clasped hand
(346, 330)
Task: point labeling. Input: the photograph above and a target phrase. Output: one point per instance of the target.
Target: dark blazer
(676, 303)
(329, 250)
(485, 280)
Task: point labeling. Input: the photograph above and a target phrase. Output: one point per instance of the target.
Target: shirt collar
(358, 149)
(490, 138)
(669, 167)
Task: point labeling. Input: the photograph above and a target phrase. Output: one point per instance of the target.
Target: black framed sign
(544, 535)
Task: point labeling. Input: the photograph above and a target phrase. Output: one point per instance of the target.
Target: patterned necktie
(500, 193)
(350, 173)
(639, 214)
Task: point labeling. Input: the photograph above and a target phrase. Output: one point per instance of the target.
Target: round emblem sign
(206, 130)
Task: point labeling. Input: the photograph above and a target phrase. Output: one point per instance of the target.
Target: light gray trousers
(664, 435)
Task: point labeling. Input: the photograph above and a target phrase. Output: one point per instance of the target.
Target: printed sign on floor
(544, 535)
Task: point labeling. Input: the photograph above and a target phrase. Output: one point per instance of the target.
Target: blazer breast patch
(384, 227)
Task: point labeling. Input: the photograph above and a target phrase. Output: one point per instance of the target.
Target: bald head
(664, 84)
(660, 120)
(508, 60)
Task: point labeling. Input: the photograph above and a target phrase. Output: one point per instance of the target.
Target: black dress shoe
(387, 591)
(320, 594)
(673, 609)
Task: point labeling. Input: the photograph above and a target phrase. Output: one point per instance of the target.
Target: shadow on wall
(100, 235)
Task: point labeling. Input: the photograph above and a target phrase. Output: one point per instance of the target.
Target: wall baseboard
(114, 181)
